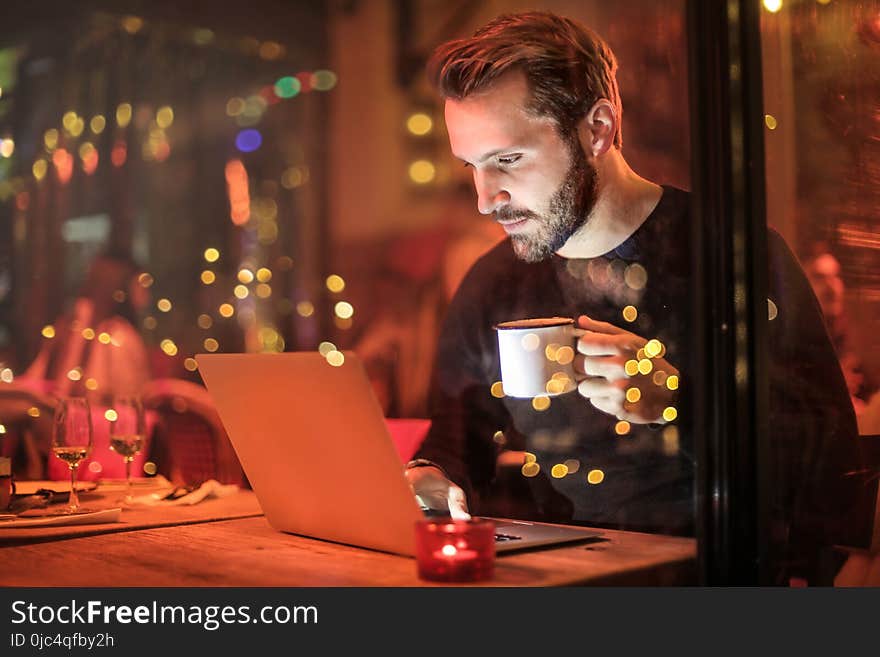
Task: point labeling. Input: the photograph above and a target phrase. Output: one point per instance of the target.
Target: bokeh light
(234, 106)
(50, 138)
(287, 87)
(530, 341)
(541, 403)
(97, 124)
(132, 24)
(335, 283)
(324, 80)
(343, 310)
(635, 276)
(123, 115)
(165, 117)
(39, 169)
(247, 141)
(168, 346)
(419, 123)
(422, 171)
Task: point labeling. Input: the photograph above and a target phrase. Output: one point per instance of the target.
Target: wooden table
(226, 543)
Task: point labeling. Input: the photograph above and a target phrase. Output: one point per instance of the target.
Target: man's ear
(597, 128)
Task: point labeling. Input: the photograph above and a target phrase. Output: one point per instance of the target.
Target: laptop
(311, 437)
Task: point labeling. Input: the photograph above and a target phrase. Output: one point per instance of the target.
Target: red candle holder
(455, 550)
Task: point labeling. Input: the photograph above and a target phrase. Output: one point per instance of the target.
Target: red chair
(190, 445)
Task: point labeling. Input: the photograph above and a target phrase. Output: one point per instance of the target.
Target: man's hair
(568, 66)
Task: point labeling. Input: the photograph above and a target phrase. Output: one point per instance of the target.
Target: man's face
(539, 186)
(824, 274)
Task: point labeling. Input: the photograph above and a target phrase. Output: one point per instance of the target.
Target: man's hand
(617, 381)
(436, 492)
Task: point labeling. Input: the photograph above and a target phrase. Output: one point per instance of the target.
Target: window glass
(821, 126)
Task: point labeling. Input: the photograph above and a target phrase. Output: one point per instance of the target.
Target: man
(823, 272)
(533, 109)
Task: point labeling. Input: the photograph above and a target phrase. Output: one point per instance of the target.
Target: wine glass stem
(128, 495)
(74, 498)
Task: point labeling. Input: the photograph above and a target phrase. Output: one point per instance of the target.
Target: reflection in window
(822, 139)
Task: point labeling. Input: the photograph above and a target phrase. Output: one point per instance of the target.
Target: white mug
(536, 356)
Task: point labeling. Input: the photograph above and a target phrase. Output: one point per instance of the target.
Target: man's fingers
(592, 343)
(609, 367)
(607, 405)
(600, 387)
(589, 324)
(457, 504)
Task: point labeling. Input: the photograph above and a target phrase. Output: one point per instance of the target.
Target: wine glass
(72, 439)
(127, 433)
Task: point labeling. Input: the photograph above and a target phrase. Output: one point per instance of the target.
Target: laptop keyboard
(499, 538)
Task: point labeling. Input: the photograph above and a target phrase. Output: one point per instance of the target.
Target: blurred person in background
(824, 273)
(94, 350)
(97, 349)
(421, 272)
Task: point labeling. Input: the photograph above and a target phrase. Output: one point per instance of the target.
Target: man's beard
(569, 208)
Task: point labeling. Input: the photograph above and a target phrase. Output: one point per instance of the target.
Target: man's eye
(507, 160)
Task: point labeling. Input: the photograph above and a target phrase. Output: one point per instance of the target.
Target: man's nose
(490, 195)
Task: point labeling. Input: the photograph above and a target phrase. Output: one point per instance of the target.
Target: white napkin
(85, 518)
(210, 489)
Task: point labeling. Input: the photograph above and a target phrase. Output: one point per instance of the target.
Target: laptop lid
(314, 445)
